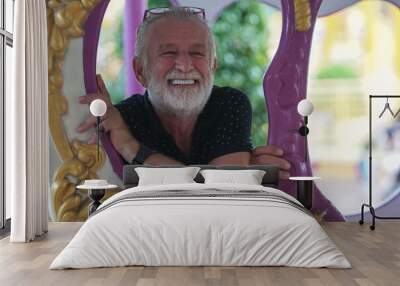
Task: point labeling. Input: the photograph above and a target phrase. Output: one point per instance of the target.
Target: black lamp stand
(95, 195)
(98, 137)
(303, 130)
(305, 193)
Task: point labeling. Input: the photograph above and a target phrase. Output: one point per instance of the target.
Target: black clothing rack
(370, 206)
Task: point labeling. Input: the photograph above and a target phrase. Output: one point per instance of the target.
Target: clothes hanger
(397, 113)
(387, 106)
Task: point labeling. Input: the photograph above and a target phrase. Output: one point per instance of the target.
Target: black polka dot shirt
(222, 127)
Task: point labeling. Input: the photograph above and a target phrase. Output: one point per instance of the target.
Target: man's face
(179, 67)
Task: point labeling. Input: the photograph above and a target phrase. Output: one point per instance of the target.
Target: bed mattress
(201, 225)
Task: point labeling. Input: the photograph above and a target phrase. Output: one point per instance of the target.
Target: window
(6, 45)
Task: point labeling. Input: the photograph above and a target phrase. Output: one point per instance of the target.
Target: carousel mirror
(75, 57)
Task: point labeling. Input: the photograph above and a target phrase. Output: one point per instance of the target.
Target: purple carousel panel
(90, 42)
(285, 84)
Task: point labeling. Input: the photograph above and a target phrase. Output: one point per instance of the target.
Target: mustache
(179, 75)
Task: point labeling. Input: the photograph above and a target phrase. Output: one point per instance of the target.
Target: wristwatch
(141, 156)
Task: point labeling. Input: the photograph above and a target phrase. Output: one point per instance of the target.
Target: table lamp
(305, 184)
(98, 108)
(305, 108)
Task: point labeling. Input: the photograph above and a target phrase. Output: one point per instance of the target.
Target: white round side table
(95, 194)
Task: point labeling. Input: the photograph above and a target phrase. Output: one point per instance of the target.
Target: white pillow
(248, 177)
(162, 176)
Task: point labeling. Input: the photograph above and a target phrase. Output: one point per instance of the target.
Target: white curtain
(26, 124)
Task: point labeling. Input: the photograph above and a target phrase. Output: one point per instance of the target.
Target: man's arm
(125, 143)
(112, 122)
(264, 155)
(237, 158)
(130, 149)
(271, 155)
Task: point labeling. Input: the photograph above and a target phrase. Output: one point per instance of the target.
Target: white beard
(180, 101)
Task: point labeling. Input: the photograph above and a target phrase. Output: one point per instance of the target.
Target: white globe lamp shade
(98, 107)
(305, 107)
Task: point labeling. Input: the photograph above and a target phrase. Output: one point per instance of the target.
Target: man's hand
(271, 155)
(112, 122)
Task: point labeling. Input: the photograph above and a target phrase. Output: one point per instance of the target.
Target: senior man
(182, 118)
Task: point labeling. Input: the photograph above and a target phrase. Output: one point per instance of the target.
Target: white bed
(249, 225)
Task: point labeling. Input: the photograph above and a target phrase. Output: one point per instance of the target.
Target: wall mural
(73, 33)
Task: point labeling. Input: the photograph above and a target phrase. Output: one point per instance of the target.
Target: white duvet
(200, 231)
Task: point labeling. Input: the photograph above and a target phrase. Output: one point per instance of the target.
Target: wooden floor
(374, 255)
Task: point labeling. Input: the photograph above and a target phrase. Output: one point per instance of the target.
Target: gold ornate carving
(65, 20)
(68, 204)
(302, 15)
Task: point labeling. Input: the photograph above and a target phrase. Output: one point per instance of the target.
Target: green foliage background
(158, 3)
(241, 37)
(116, 87)
(338, 71)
